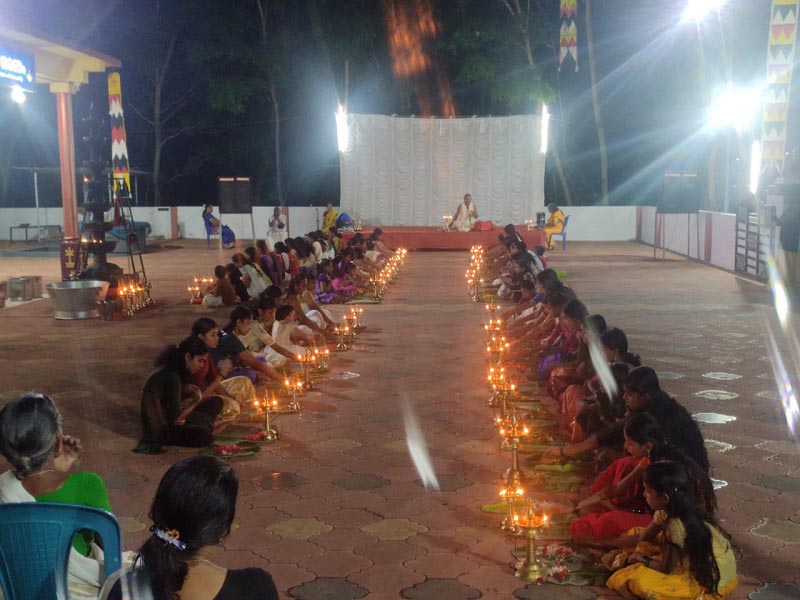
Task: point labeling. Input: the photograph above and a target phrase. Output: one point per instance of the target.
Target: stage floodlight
(735, 107)
(342, 130)
(17, 94)
(545, 128)
(755, 165)
(697, 10)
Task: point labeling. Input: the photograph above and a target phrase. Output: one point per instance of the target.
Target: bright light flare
(601, 367)
(417, 448)
(545, 129)
(735, 107)
(342, 129)
(755, 165)
(788, 395)
(17, 94)
(697, 10)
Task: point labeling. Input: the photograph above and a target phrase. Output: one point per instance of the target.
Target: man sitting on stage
(465, 216)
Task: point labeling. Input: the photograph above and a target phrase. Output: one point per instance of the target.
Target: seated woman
(286, 333)
(683, 553)
(344, 284)
(192, 512)
(617, 503)
(563, 344)
(212, 226)
(234, 391)
(325, 294)
(230, 346)
(581, 368)
(555, 223)
(235, 277)
(309, 305)
(41, 459)
(270, 264)
(260, 341)
(252, 276)
(174, 413)
(311, 323)
(376, 237)
(329, 217)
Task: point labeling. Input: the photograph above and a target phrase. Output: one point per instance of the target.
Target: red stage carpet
(433, 238)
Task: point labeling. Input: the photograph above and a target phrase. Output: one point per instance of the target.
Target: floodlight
(545, 129)
(735, 108)
(696, 10)
(755, 165)
(342, 130)
(17, 94)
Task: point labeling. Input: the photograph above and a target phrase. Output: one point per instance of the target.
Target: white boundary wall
(587, 223)
(717, 235)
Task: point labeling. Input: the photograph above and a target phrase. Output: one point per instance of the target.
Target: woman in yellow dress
(329, 218)
(554, 224)
(683, 553)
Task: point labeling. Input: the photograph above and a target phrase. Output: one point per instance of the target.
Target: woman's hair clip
(170, 536)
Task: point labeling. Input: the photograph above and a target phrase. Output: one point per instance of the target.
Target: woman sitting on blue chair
(212, 226)
(41, 458)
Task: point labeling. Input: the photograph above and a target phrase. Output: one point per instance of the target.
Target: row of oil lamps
(379, 282)
(132, 295)
(524, 518)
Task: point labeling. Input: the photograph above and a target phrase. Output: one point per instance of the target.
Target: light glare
(342, 130)
(17, 94)
(735, 107)
(755, 165)
(545, 129)
(696, 10)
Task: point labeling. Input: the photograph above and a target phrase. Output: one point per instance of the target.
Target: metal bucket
(77, 299)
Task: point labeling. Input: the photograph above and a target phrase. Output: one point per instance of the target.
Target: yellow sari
(554, 225)
(329, 219)
(639, 581)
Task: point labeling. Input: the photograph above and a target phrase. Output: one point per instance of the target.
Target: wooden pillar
(66, 154)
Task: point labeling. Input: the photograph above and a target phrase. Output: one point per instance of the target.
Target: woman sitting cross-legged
(230, 346)
(174, 412)
(41, 459)
(192, 512)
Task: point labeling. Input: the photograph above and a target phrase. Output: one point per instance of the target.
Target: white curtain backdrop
(412, 171)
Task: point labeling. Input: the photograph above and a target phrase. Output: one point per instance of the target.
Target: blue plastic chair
(211, 231)
(35, 544)
(562, 233)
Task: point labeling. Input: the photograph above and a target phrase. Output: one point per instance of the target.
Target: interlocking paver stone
(394, 529)
(278, 480)
(782, 483)
(449, 482)
(121, 479)
(299, 529)
(546, 591)
(783, 530)
(440, 589)
(776, 591)
(361, 481)
(328, 588)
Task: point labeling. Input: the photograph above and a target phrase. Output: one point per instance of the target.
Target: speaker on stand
(236, 197)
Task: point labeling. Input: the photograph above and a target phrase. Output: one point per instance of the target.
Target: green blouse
(85, 489)
(163, 388)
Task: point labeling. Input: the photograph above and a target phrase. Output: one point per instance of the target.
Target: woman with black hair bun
(192, 511)
(169, 417)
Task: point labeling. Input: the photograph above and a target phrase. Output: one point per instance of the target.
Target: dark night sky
(653, 89)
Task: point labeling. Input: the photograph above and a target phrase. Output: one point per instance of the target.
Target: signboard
(16, 68)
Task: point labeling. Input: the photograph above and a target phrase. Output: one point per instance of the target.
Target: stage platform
(433, 238)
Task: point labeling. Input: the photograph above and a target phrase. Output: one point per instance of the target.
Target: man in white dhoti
(465, 216)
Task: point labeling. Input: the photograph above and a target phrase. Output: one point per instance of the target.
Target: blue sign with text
(16, 68)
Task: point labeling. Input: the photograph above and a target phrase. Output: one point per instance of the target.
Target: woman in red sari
(617, 501)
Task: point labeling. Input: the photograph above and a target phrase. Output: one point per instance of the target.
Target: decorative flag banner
(780, 56)
(119, 144)
(569, 32)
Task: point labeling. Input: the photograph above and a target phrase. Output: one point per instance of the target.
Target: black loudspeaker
(682, 193)
(235, 194)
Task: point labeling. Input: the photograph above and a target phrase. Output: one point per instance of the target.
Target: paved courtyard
(337, 507)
